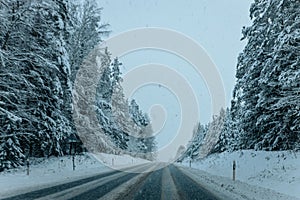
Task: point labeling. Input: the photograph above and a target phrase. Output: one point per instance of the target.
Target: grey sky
(215, 24)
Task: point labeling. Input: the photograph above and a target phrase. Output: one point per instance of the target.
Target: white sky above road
(215, 24)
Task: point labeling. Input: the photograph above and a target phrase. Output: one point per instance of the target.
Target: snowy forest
(42, 45)
(265, 107)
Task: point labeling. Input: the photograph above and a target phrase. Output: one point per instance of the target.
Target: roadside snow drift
(45, 172)
(278, 171)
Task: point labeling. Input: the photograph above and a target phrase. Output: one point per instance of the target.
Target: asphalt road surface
(167, 183)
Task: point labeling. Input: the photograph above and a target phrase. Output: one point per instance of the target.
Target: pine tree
(42, 45)
(227, 138)
(103, 98)
(265, 106)
(213, 133)
(86, 32)
(34, 80)
(128, 127)
(194, 145)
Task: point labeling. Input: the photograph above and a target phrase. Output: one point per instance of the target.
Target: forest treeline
(265, 107)
(42, 46)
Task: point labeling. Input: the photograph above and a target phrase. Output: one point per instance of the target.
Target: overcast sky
(215, 24)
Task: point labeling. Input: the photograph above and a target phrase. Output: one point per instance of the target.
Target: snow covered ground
(278, 171)
(260, 175)
(45, 172)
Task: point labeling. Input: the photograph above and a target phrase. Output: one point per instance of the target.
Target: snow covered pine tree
(266, 103)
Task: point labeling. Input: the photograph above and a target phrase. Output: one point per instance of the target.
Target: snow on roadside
(278, 171)
(53, 171)
(118, 161)
(225, 188)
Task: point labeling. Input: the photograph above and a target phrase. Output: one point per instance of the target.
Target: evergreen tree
(35, 92)
(128, 127)
(227, 138)
(213, 133)
(194, 145)
(265, 106)
(42, 45)
(86, 32)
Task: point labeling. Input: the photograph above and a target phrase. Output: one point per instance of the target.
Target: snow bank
(278, 171)
(46, 172)
(118, 161)
(225, 188)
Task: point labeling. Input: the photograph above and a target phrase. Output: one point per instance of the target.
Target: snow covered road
(165, 182)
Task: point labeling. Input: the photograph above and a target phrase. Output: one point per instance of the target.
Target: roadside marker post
(73, 161)
(27, 163)
(233, 169)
